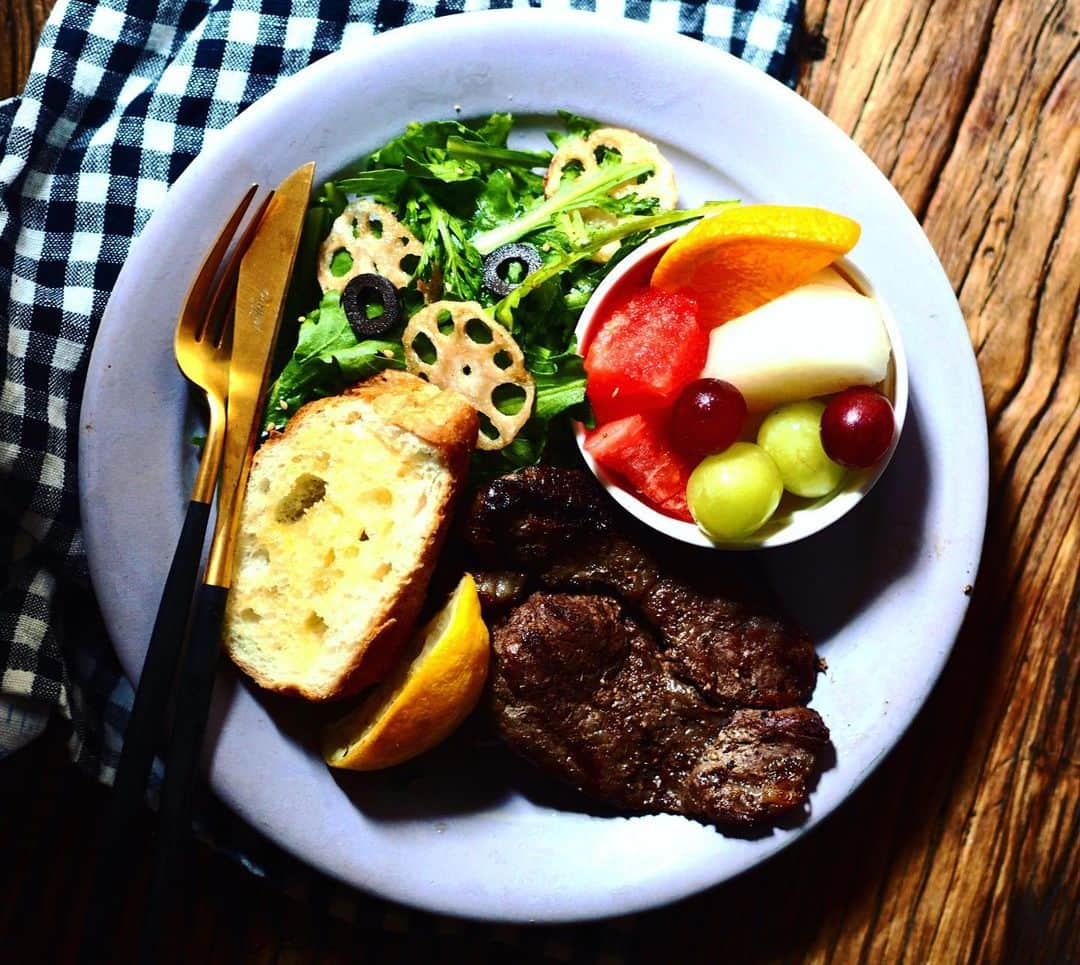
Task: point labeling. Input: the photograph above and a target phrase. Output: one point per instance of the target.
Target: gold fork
(203, 345)
(203, 341)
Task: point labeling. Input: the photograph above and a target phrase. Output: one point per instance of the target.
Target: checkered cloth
(121, 97)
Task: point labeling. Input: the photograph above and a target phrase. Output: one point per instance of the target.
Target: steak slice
(736, 651)
(714, 632)
(580, 688)
(500, 588)
(533, 514)
(757, 767)
(732, 652)
(648, 682)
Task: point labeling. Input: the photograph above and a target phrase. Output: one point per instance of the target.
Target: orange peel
(747, 255)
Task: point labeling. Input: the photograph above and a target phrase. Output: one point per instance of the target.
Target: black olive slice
(365, 290)
(499, 265)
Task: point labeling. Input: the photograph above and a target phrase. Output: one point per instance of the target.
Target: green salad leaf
(464, 192)
(327, 359)
(591, 190)
(576, 127)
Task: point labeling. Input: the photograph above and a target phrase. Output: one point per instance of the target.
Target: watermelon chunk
(637, 448)
(648, 348)
(678, 507)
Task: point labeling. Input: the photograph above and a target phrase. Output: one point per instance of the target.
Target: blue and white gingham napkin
(121, 97)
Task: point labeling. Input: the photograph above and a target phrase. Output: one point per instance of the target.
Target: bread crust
(444, 420)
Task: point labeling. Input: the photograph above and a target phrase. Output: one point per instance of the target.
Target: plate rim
(440, 31)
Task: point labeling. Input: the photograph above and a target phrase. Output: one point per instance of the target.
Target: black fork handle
(145, 728)
(194, 690)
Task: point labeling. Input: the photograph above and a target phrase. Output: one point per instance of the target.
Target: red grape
(857, 427)
(708, 417)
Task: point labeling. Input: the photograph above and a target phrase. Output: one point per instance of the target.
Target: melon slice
(813, 341)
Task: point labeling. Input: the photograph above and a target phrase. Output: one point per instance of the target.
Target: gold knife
(260, 297)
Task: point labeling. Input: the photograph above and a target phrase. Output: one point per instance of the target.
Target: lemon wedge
(433, 689)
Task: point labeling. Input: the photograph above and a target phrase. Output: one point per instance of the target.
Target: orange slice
(434, 688)
(748, 255)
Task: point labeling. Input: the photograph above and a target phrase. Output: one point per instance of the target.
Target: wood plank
(896, 77)
(973, 112)
(20, 26)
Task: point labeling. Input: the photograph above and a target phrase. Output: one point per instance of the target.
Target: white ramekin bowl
(795, 518)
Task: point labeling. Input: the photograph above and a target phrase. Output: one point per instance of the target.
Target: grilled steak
(531, 515)
(642, 686)
(498, 588)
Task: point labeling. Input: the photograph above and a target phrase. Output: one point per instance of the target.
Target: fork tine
(216, 317)
(194, 310)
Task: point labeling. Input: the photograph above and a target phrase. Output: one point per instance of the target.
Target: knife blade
(260, 298)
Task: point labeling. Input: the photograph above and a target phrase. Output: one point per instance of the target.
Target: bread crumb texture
(341, 523)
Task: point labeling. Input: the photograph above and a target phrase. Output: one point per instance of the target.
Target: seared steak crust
(646, 688)
(532, 515)
(730, 652)
(758, 765)
(500, 588)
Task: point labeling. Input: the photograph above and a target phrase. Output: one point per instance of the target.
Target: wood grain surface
(20, 26)
(965, 845)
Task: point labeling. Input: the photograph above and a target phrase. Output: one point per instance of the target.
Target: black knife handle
(145, 728)
(194, 690)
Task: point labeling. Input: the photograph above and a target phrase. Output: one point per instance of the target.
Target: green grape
(791, 434)
(734, 492)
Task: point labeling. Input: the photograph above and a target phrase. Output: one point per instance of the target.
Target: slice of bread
(345, 513)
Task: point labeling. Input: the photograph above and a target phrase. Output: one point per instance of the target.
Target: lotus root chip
(633, 147)
(472, 362)
(377, 242)
(660, 184)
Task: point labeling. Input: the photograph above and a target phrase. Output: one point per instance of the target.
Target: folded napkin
(121, 97)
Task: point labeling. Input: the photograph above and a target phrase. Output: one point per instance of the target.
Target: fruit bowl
(795, 518)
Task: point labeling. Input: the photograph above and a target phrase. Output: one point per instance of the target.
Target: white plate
(882, 591)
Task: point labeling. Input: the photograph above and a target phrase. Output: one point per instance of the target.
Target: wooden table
(964, 845)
